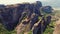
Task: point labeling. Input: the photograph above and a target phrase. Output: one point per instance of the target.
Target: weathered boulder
(47, 9)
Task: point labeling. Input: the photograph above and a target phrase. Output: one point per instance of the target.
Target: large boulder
(47, 9)
(38, 4)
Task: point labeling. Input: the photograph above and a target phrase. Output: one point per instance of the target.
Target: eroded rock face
(41, 27)
(12, 17)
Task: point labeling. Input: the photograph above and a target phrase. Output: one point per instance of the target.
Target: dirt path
(57, 27)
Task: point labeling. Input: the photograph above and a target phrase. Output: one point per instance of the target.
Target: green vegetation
(50, 30)
(4, 31)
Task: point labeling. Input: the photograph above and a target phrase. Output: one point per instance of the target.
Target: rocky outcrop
(20, 15)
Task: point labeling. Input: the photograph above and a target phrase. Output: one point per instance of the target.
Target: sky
(53, 3)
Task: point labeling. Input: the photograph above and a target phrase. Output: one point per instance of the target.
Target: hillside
(28, 18)
(48, 30)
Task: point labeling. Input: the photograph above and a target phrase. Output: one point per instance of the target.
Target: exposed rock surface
(57, 27)
(24, 16)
